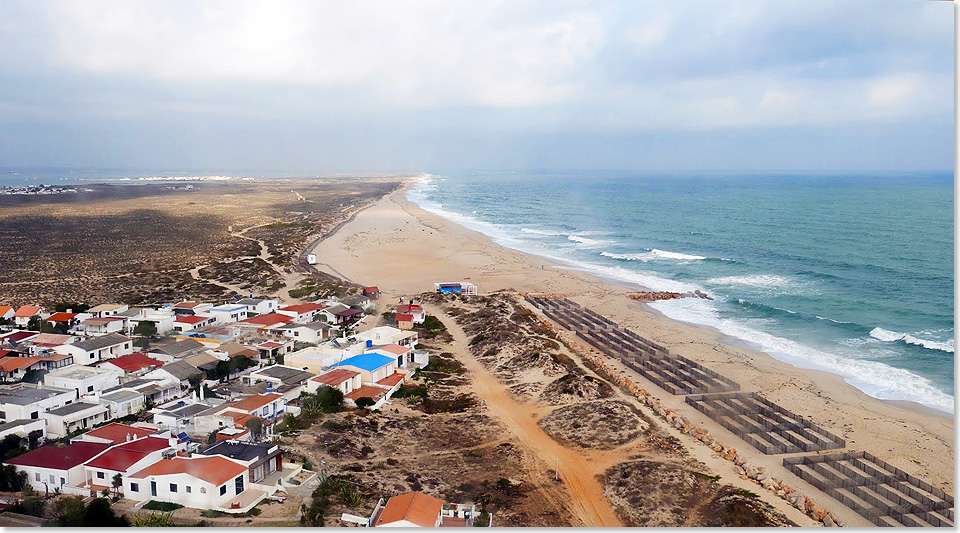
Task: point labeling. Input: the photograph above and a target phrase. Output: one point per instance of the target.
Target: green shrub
(365, 402)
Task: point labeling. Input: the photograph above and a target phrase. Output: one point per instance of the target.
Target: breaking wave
(653, 254)
(892, 336)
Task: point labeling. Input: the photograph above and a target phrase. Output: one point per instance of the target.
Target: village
(182, 405)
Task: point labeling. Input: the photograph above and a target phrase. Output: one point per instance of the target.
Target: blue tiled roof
(369, 361)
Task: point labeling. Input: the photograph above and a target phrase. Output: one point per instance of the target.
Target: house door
(400, 361)
(153, 488)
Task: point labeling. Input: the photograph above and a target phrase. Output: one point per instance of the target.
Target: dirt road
(576, 472)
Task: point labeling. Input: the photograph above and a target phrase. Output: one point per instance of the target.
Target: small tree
(145, 328)
(365, 402)
(117, 483)
(255, 425)
(34, 323)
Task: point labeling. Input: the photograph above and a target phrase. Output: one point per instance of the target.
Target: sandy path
(578, 475)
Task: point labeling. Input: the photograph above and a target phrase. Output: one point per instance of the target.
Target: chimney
(201, 393)
(128, 436)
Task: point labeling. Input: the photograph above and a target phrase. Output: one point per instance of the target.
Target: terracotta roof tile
(414, 507)
(213, 469)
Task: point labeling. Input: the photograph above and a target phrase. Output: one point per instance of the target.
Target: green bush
(365, 402)
(154, 505)
(411, 391)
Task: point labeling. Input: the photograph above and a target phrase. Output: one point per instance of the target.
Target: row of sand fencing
(884, 494)
(877, 491)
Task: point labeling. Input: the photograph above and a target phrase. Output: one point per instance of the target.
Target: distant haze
(386, 86)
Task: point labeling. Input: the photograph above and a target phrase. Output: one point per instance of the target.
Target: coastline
(404, 249)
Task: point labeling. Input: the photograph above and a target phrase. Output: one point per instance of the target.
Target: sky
(319, 87)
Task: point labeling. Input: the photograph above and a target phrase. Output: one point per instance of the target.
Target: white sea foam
(764, 281)
(545, 232)
(588, 242)
(892, 336)
(654, 254)
(874, 378)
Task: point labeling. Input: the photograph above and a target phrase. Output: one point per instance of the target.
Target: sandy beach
(404, 250)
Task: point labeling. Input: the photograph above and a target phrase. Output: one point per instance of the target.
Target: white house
(50, 467)
(25, 313)
(78, 415)
(123, 402)
(413, 509)
(106, 310)
(102, 326)
(23, 428)
(96, 349)
(260, 306)
(185, 323)
(311, 332)
(161, 318)
(346, 381)
(200, 482)
(301, 313)
(228, 313)
(26, 401)
(127, 458)
(415, 310)
(86, 380)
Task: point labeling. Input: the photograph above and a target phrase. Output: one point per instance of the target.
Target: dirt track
(579, 475)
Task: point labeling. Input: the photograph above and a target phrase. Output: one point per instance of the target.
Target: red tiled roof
(186, 305)
(403, 317)
(414, 507)
(118, 433)
(366, 391)
(4, 309)
(392, 379)
(190, 319)
(213, 469)
(370, 290)
(302, 308)
(60, 317)
(268, 319)
(395, 349)
(135, 361)
(122, 456)
(18, 336)
(27, 311)
(335, 377)
(59, 458)
(9, 364)
(256, 402)
(270, 344)
(409, 308)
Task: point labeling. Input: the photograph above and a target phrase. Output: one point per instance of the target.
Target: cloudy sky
(323, 87)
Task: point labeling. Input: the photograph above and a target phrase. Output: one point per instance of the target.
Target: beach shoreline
(404, 249)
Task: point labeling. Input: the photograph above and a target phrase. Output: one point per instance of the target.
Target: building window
(203, 490)
(100, 475)
(36, 476)
(266, 410)
(239, 484)
(3, 415)
(53, 479)
(35, 415)
(189, 489)
(134, 487)
(223, 490)
(90, 388)
(173, 487)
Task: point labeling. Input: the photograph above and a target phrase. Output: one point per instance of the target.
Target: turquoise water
(851, 274)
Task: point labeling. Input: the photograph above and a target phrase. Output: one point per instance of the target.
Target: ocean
(851, 274)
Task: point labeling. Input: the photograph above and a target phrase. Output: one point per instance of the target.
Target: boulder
(828, 521)
(769, 483)
(730, 454)
(815, 510)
